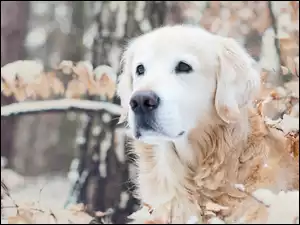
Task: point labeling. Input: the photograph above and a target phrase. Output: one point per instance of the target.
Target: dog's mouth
(140, 133)
(145, 129)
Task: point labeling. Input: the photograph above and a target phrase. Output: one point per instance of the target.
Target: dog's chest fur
(163, 179)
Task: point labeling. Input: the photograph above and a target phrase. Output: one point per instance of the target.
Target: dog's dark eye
(140, 70)
(183, 67)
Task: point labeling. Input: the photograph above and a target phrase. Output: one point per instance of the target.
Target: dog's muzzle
(144, 104)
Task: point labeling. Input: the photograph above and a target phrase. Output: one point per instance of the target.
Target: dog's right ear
(124, 86)
(238, 80)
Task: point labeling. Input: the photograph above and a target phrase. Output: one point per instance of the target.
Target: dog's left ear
(237, 80)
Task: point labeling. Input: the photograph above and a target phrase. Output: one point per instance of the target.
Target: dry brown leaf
(106, 87)
(20, 95)
(27, 214)
(17, 220)
(101, 81)
(81, 71)
(287, 43)
(84, 72)
(27, 69)
(32, 213)
(75, 89)
(149, 207)
(55, 84)
(87, 66)
(293, 144)
(78, 217)
(6, 89)
(209, 213)
(154, 222)
(106, 79)
(41, 87)
(19, 89)
(295, 10)
(289, 48)
(99, 71)
(43, 218)
(16, 76)
(76, 207)
(213, 207)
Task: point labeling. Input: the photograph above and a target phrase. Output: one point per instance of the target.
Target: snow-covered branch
(58, 105)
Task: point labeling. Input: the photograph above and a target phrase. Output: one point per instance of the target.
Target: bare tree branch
(274, 26)
(58, 105)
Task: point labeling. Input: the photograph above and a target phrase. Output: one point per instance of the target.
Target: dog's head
(177, 77)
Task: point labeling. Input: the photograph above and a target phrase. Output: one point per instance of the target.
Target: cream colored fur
(225, 141)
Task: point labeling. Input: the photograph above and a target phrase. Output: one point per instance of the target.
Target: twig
(58, 105)
(242, 189)
(4, 187)
(33, 209)
(40, 193)
(52, 214)
(171, 215)
(274, 25)
(18, 208)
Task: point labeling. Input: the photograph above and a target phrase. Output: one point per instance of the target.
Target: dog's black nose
(144, 101)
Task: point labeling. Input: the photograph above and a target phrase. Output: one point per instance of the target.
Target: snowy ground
(41, 200)
(49, 191)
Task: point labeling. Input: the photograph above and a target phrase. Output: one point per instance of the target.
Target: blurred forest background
(54, 150)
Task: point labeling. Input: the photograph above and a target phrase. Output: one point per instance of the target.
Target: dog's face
(177, 77)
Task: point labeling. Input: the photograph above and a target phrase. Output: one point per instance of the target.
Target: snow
(62, 104)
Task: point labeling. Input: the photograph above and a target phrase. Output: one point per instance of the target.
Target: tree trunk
(104, 168)
(14, 18)
(74, 47)
(45, 142)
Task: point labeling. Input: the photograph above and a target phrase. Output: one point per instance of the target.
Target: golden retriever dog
(188, 98)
